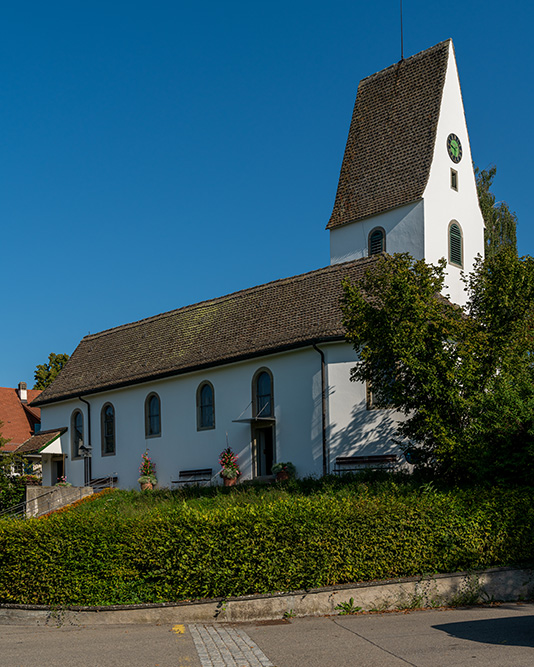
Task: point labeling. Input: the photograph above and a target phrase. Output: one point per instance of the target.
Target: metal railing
(20, 509)
(100, 483)
(42, 506)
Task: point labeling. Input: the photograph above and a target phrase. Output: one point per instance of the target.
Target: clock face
(454, 147)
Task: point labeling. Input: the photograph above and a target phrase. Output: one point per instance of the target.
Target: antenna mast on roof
(402, 44)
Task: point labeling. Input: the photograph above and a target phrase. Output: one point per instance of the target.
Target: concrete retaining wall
(43, 499)
(459, 589)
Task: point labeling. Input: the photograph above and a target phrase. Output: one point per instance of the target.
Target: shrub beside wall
(272, 544)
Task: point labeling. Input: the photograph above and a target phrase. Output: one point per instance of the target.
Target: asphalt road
(490, 636)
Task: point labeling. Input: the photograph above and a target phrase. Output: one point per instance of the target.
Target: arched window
(108, 430)
(456, 251)
(377, 241)
(205, 406)
(76, 439)
(152, 416)
(263, 394)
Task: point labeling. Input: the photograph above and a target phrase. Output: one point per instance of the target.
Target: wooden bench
(358, 463)
(194, 476)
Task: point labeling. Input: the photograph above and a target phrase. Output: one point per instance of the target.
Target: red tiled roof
(18, 418)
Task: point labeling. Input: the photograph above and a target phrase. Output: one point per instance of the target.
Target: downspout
(323, 408)
(87, 473)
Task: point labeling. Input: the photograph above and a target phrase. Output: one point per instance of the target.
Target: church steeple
(391, 138)
(407, 181)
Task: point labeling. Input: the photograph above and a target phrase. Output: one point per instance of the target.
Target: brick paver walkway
(226, 647)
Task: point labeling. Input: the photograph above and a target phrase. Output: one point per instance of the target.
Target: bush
(173, 546)
(11, 488)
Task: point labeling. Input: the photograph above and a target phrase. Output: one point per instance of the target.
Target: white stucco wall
(404, 233)
(354, 430)
(298, 412)
(296, 381)
(442, 203)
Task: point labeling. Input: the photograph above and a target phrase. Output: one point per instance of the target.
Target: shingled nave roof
(281, 315)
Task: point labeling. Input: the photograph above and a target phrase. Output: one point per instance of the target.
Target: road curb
(458, 589)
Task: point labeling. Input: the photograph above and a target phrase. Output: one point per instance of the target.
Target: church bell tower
(407, 182)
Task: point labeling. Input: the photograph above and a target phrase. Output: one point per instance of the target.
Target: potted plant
(147, 469)
(230, 472)
(62, 481)
(283, 471)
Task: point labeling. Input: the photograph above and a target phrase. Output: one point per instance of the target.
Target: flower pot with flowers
(62, 481)
(230, 472)
(148, 479)
(283, 471)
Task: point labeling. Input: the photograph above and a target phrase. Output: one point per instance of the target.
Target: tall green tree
(500, 222)
(463, 380)
(3, 441)
(45, 374)
(11, 491)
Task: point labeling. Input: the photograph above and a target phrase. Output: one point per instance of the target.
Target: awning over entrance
(255, 420)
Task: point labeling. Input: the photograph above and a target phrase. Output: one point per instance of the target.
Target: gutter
(323, 408)
(87, 473)
(187, 369)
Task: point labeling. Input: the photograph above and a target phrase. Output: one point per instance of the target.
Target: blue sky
(155, 154)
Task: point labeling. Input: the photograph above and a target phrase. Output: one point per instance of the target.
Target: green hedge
(275, 542)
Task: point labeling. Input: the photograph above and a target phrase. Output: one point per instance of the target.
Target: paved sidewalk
(491, 636)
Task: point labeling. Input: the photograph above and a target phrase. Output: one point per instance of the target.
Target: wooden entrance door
(263, 439)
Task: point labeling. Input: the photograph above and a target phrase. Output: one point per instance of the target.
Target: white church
(267, 369)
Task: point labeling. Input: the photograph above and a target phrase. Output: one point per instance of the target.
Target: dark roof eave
(54, 433)
(190, 369)
(361, 218)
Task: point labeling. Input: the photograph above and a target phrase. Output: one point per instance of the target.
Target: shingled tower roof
(391, 138)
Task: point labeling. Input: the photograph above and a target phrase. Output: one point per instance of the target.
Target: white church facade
(267, 369)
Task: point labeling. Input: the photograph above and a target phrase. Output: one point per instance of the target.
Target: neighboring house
(267, 369)
(19, 419)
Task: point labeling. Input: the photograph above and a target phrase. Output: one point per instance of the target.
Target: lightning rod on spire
(401, 36)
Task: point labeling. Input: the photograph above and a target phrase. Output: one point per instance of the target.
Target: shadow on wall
(368, 432)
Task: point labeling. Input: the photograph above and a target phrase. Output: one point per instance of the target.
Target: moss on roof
(277, 316)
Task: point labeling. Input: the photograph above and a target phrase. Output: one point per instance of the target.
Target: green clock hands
(454, 147)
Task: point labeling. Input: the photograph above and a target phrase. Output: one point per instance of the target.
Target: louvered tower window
(377, 241)
(455, 245)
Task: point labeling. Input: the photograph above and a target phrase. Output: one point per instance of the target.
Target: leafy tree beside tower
(500, 223)
(462, 377)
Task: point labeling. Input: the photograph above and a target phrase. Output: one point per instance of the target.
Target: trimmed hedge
(95, 555)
